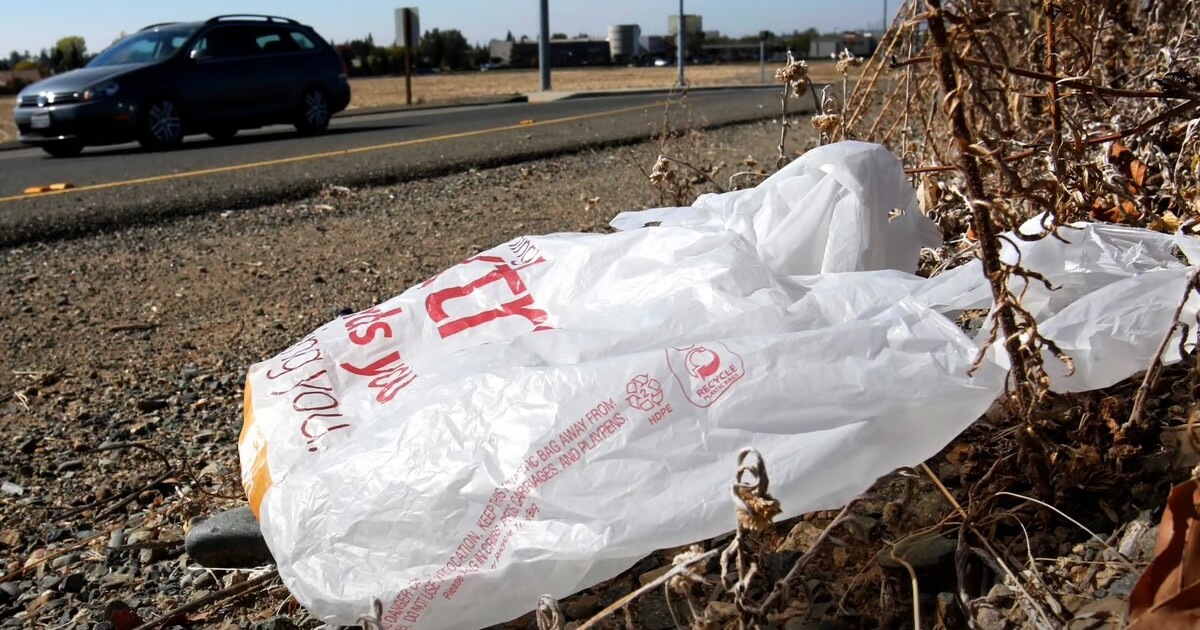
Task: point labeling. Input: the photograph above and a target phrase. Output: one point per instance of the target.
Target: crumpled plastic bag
(539, 417)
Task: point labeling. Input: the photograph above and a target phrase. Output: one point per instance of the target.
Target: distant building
(831, 45)
(624, 42)
(691, 24)
(655, 45)
(563, 52)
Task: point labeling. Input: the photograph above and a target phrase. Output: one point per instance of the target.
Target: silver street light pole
(681, 44)
(544, 47)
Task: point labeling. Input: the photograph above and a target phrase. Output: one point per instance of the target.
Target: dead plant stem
(1069, 82)
(649, 586)
(1148, 381)
(225, 593)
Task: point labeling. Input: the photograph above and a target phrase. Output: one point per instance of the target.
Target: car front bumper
(96, 122)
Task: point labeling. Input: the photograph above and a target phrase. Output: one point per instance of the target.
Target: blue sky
(34, 25)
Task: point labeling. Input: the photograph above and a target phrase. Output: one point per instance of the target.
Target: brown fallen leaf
(10, 538)
(1167, 223)
(1133, 168)
(121, 616)
(1167, 595)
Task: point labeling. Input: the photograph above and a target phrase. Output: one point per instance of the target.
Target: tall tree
(69, 53)
(444, 49)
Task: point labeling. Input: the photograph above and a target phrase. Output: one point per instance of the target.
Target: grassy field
(462, 86)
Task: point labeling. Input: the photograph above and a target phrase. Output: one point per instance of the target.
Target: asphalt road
(121, 185)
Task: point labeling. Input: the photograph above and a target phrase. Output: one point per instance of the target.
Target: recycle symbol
(644, 392)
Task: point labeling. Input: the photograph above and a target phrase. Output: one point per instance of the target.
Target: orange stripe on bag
(257, 479)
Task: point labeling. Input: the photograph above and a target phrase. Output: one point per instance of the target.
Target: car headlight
(107, 90)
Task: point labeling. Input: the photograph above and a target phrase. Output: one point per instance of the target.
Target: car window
(271, 41)
(303, 41)
(144, 47)
(222, 43)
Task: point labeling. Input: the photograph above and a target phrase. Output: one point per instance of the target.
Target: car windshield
(143, 47)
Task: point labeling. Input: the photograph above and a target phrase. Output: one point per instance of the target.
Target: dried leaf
(1167, 595)
(1137, 171)
(121, 616)
(1167, 222)
(1132, 168)
(10, 538)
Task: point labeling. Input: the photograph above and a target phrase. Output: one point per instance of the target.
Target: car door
(220, 80)
(276, 61)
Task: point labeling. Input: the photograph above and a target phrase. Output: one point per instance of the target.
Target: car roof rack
(241, 16)
(146, 28)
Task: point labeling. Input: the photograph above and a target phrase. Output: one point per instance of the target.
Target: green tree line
(437, 50)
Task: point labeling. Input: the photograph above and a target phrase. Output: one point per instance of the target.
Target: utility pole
(408, 44)
(680, 44)
(885, 21)
(762, 56)
(544, 47)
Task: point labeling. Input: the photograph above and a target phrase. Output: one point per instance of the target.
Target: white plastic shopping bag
(539, 417)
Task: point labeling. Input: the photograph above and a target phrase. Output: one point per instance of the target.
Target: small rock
(9, 487)
(114, 580)
(999, 592)
(230, 539)
(9, 591)
(39, 603)
(150, 405)
(988, 618)
(276, 623)
(74, 583)
(69, 465)
(139, 536)
(1138, 541)
(800, 538)
(116, 540)
(233, 578)
(582, 607)
(150, 555)
(204, 579)
(652, 612)
(49, 582)
(921, 553)
(56, 534)
(64, 561)
(1089, 614)
(10, 538)
(1122, 587)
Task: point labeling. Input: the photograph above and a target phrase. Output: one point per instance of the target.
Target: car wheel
(161, 124)
(313, 116)
(222, 133)
(63, 148)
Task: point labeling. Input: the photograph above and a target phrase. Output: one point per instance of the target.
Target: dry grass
(460, 86)
(468, 85)
(8, 131)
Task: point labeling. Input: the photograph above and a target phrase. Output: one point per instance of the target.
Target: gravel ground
(124, 357)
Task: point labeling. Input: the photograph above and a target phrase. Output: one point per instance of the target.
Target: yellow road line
(329, 154)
